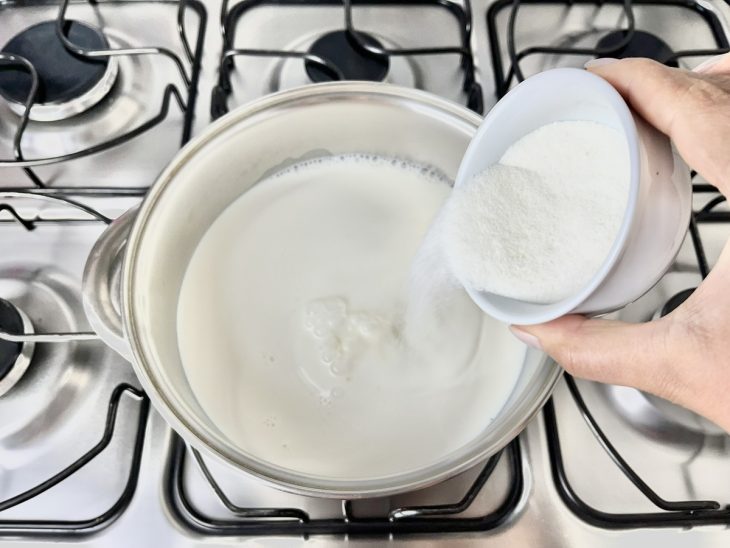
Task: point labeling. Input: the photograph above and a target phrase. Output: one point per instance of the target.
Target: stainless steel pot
(135, 312)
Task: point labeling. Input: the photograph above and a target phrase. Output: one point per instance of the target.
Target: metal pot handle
(102, 286)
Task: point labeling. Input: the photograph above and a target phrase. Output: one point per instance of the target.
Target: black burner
(63, 76)
(344, 52)
(642, 44)
(11, 322)
(675, 301)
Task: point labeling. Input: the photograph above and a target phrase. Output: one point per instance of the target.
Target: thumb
(606, 350)
(692, 109)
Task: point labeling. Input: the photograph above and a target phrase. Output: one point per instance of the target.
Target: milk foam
(307, 340)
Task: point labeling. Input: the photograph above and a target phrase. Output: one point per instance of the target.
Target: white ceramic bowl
(660, 195)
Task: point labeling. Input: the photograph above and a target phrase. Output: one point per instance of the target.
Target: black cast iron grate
(63, 528)
(185, 99)
(504, 79)
(296, 521)
(67, 528)
(462, 52)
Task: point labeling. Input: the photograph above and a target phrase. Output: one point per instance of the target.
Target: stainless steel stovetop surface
(59, 410)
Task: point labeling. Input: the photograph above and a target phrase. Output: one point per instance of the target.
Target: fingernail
(711, 62)
(593, 63)
(525, 337)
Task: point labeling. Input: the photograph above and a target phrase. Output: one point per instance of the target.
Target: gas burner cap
(341, 50)
(642, 44)
(68, 84)
(14, 356)
(676, 300)
(673, 302)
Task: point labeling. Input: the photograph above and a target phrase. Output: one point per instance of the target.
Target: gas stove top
(83, 456)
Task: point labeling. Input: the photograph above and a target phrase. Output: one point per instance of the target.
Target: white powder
(538, 225)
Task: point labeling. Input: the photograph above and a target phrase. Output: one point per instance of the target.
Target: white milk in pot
(313, 342)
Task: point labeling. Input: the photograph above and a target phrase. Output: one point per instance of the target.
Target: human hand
(684, 356)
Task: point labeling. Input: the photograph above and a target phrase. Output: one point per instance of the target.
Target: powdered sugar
(538, 225)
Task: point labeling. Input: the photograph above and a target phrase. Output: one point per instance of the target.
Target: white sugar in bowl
(659, 203)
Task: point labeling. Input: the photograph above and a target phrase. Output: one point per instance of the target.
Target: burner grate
(65, 528)
(50, 527)
(184, 100)
(296, 521)
(504, 80)
(362, 43)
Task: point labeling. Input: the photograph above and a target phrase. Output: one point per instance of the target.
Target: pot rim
(186, 424)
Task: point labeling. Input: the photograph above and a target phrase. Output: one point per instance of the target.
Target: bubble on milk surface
(341, 334)
(428, 172)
